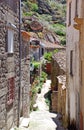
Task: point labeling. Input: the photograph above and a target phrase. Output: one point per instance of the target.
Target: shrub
(36, 88)
(63, 40)
(34, 7)
(59, 29)
(44, 75)
(36, 64)
(31, 6)
(48, 56)
(27, 13)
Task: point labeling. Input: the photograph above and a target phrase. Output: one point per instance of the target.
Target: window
(10, 94)
(76, 9)
(42, 51)
(10, 41)
(70, 13)
(71, 63)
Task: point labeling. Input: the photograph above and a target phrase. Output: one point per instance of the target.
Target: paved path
(43, 119)
(40, 98)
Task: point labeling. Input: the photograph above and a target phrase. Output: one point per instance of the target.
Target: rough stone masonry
(9, 68)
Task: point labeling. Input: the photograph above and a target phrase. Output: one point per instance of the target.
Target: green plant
(56, 50)
(36, 64)
(36, 88)
(63, 40)
(34, 7)
(28, 13)
(31, 6)
(60, 29)
(48, 56)
(44, 75)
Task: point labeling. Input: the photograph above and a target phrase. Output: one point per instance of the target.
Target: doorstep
(24, 123)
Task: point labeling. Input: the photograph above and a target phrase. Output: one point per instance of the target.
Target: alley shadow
(58, 121)
(47, 97)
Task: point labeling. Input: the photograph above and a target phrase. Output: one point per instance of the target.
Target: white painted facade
(73, 68)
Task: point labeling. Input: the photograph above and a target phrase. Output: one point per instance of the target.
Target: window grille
(10, 93)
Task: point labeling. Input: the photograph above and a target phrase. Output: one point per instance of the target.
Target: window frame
(70, 13)
(71, 62)
(76, 8)
(10, 41)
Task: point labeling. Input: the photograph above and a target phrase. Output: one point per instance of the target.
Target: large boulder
(44, 8)
(36, 26)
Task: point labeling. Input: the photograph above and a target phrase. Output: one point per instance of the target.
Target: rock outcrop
(44, 7)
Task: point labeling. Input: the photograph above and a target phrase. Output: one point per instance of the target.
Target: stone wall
(3, 78)
(58, 84)
(59, 97)
(10, 73)
(55, 68)
(61, 94)
(25, 80)
(62, 97)
(9, 68)
(58, 67)
(54, 98)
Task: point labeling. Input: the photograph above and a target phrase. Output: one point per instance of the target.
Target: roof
(60, 58)
(49, 45)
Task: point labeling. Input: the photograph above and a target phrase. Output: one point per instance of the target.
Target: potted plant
(48, 58)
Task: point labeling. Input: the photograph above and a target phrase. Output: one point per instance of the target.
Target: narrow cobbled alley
(42, 119)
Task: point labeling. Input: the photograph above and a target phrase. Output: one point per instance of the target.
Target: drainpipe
(20, 55)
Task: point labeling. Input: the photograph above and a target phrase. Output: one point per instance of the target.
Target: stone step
(24, 122)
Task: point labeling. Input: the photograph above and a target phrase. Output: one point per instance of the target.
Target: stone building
(58, 67)
(75, 63)
(10, 66)
(58, 83)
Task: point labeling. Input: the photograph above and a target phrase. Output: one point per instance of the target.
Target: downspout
(20, 55)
